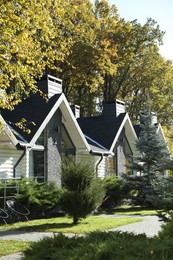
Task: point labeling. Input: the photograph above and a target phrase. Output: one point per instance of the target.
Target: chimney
(76, 111)
(54, 86)
(112, 109)
(50, 86)
(153, 118)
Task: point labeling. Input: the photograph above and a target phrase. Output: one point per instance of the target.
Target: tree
(155, 156)
(133, 44)
(33, 40)
(82, 190)
(154, 159)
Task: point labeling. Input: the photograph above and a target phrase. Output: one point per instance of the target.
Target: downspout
(97, 165)
(18, 161)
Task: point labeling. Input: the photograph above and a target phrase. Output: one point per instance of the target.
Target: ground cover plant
(8, 247)
(101, 245)
(65, 225)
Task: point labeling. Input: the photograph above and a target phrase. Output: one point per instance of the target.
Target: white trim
(8, 131)
(62, 99)
(126, 118)
(27, 163)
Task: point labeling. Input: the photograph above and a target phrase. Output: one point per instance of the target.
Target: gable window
(128, 156)
(67, 146)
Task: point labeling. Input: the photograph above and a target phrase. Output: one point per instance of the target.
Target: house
(39, 132)
(44, 129)
(114, 131)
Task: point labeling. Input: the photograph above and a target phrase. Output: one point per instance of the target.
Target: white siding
(8, 158)
(101, 167)
(54, 86)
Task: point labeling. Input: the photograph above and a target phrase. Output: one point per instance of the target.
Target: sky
(159, 10)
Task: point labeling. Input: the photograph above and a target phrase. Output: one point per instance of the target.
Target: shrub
(115, 192)
(167, 229)
(40, 198)
(82, 191)
(100, 245)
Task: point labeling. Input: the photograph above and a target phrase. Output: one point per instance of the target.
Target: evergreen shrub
(115, 191)
(83, 192)
(100, 245)
(40, 198)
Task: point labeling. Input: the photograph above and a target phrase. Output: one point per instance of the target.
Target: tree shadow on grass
(45, 227)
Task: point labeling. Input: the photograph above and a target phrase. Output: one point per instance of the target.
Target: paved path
(149, 226)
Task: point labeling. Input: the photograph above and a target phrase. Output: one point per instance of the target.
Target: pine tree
(154, 159)
(155, 156)
(83, 192)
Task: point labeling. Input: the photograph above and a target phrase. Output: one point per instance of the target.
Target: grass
(127, 210)
(8, 247)
(64, 224)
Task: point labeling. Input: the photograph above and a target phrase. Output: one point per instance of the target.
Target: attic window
(67, 145)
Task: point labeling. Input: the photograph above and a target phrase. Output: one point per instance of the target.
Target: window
(67, 146)
(38, 159)
(128, 156)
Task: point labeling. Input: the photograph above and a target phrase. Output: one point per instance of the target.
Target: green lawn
(130, 211)
(64, 224)
(10, 247)
(61, 224)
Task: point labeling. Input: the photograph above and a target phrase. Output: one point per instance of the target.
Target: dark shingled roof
(137, 129)
(34, 110)
(100, 130)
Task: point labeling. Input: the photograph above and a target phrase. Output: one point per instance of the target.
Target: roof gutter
(101, 154)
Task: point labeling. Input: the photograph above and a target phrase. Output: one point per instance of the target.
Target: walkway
(149, 226)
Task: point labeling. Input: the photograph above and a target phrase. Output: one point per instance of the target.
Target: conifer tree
(82, 192)
(155, 156)
(153, 160)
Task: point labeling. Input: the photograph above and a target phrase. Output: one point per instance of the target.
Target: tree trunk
(75, 220)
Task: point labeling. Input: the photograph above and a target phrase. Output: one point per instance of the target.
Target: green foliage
(40, 198)
(101, 245)
(115, 192)
(88, 46)
(82, 190)
(155, 157)
(150, 189)
(156, 193)
(167, 229)
(138, 190)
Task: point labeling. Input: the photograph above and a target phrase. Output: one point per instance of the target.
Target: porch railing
(6, 186)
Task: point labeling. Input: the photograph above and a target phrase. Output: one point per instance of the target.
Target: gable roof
(106, 133)
(34, 110)
(37, 112)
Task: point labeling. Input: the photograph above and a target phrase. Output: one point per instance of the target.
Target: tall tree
(154, 160)
(31, 40)
(133, 47)
(155, 156)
